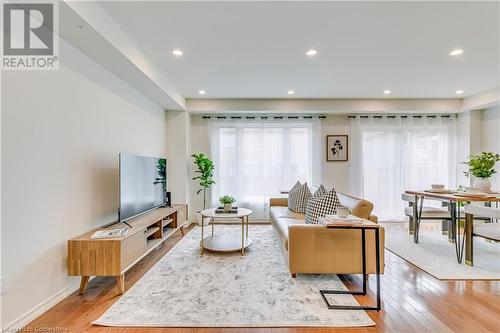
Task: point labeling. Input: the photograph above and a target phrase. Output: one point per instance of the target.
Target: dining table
(455, 200)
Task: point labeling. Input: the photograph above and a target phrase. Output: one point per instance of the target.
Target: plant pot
(228, 206)
(198, 220)
(483, 184)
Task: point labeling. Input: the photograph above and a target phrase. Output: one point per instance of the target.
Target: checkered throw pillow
(297, 199)
(319, 206)
(296, 186)
(321, 191)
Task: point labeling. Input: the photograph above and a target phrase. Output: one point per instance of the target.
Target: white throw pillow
(321, 205)
(297, 199)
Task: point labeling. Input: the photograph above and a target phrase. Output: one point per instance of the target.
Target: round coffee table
(226, 243)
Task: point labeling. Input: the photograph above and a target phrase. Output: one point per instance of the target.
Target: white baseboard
(39, 309)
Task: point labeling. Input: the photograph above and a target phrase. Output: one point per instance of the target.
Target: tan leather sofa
(314, 249)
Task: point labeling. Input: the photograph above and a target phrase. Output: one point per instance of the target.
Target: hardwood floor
(412, 301)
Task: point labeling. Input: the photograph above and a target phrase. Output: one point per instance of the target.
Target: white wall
(200, 143)
(178, 142)
(336, 174)
(61, 135)
(477, 131)
(491, 138)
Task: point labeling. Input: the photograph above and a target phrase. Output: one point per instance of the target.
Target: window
(255, 161)
(402, 156)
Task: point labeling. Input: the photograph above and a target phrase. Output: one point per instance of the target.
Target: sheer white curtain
(255, 160)
(395, 154)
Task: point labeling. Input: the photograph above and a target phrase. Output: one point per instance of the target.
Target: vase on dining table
(483, 184)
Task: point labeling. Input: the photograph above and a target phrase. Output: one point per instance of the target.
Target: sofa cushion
(319, 206)
(281, 225)
(297, 199)
(279, 211)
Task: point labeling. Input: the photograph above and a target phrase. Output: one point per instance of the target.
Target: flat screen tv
(143, 184)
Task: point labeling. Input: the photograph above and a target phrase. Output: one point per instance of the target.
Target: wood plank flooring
(412, 301)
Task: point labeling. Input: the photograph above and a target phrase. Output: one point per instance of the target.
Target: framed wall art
(337, 148)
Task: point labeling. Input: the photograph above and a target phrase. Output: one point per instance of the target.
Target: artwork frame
(337, 148)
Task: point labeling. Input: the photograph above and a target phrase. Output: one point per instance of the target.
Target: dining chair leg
(444, 227)
(453, 221)
(469, 248)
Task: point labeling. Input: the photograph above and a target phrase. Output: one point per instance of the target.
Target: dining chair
(490, 231)
(427, 213)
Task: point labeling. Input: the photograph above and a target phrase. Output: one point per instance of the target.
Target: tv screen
(143, 184)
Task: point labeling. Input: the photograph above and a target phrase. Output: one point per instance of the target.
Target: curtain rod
(402, 116)
(265, 117)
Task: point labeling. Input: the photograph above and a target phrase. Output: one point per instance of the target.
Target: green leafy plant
(205, 174)
(227, 200)
(161, 168)
(482, 165)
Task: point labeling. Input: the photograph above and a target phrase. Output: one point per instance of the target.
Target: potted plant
(205, 173)
(227, 201)
(481, 167)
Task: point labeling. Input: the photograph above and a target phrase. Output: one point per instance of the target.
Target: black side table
(363, 227)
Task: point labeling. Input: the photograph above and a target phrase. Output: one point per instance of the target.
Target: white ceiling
(256, 49)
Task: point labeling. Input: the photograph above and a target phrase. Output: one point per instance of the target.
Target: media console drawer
(133, 248)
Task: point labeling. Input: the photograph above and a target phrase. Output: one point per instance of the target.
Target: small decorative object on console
(109, 233)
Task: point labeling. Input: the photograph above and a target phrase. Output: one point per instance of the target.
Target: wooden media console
(114, 256)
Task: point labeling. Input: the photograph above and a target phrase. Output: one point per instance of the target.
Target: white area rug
(185, 289)
(435, 255)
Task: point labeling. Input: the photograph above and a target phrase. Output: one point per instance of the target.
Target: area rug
(436, 255)
(185, 289)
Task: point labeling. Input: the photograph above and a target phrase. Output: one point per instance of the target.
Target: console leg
(294, 275)
(120, 281)
(83, 284)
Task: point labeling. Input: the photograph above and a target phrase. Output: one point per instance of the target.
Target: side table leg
(363, 291)
(243, 236)
(202, 223)
(247, 225)
(212, 221)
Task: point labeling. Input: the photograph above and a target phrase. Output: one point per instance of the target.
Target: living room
(173, 166)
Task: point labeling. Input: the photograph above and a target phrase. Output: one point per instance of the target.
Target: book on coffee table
(221, 210)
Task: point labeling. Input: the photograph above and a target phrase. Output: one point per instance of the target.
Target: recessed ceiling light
(456, 52)
(387, 92)
(311, 53)
(291, 92)
(177, 53)
(202, 92)
(459, 92)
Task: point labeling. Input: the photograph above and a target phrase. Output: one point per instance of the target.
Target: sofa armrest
(278, 202)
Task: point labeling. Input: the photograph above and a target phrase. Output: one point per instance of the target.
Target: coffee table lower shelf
(224, 243)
